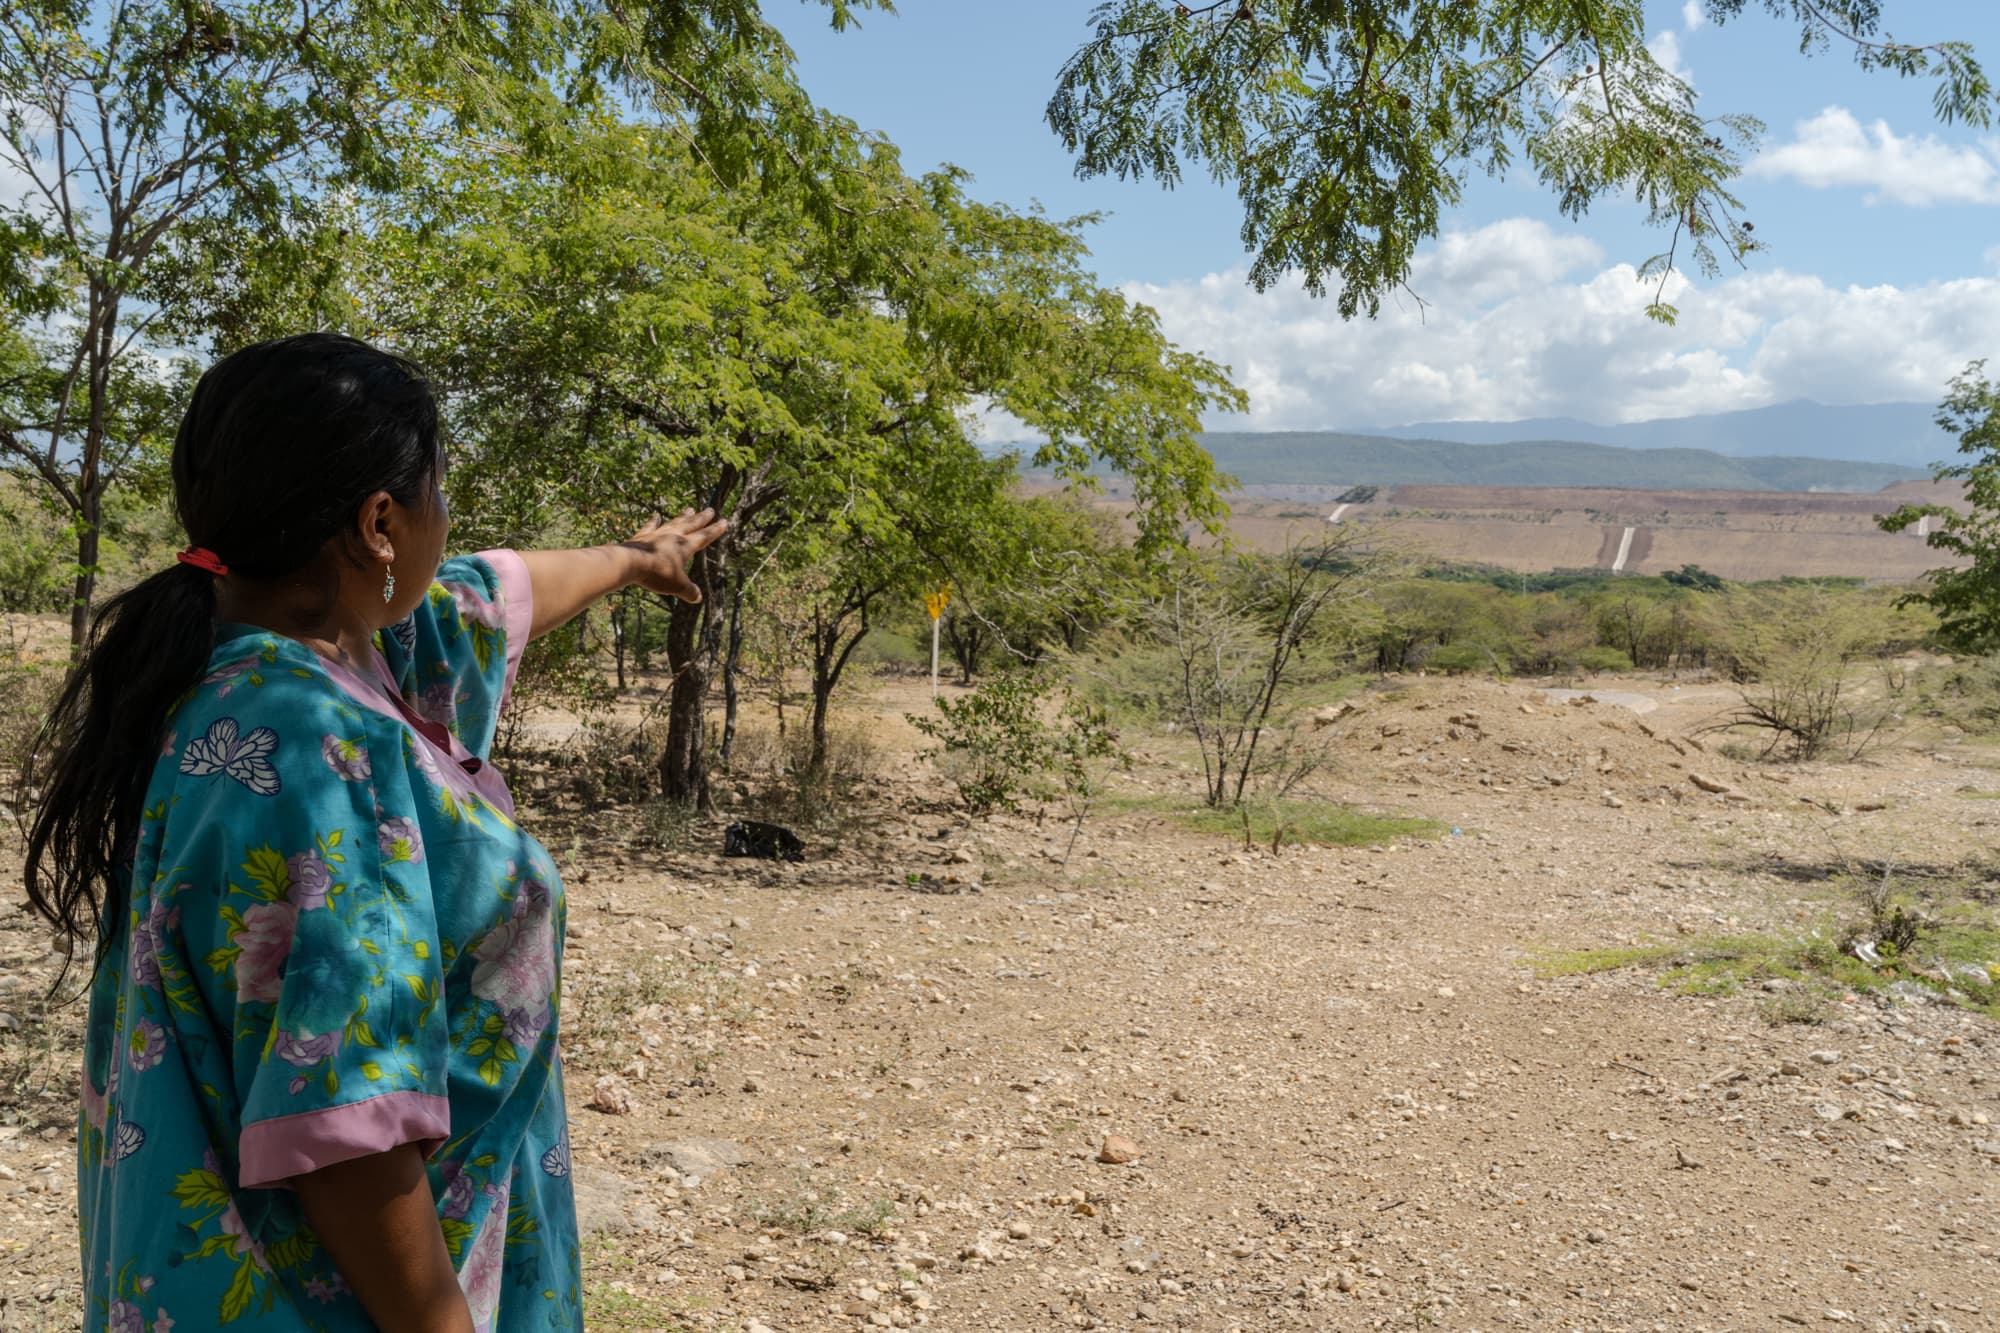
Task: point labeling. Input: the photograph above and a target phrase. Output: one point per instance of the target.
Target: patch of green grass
(1974, 794)
(1285, 823)
(609, 1301)
(1587, 962)
(1815, 963)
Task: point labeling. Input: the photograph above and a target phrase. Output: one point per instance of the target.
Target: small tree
(1791, 648)
(1235, 634)
(1966, 598)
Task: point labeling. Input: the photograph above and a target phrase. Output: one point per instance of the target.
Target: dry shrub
(28, 688)
(781, 765)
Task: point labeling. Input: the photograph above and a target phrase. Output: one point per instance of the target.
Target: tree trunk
(89, 511)
(967, 644)
(732, 662)
(692, 640)
(823, 684)
(618, 637)
(831, 650)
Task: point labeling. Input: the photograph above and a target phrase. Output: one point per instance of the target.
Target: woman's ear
(374, 527)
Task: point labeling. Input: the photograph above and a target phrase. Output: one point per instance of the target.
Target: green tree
(1965, 596)
(1349, 127)
(192, 165)
(621, 330)
(1043, 572)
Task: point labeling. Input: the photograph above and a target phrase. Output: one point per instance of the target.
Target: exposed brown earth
(1739, 535)
(1347, 1099)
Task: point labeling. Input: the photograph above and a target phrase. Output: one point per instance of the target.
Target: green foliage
(1693, 577)
(998, 744)
(198, 173)
(624, 332)
(1966, 599)
(1349, 129)
(1602, 658)
(35, 561)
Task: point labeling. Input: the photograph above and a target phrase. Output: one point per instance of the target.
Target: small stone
(752, 1085)
(1790, 1069)
(1594, 1236)
(1019, 1231)
(1826, 1057)
(610, 1095)
(1346, 1280)
(1117, 1150)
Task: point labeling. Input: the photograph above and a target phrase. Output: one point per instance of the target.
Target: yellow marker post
(935, 603)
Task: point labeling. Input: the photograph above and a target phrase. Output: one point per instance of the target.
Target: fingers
(707, 535)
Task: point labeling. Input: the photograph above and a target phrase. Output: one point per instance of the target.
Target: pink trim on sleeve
(272, 1151)
(517, 594)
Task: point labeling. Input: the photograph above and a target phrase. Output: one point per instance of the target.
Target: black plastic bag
(766, 842)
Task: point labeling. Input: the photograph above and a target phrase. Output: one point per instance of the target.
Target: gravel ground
(1173, 1082)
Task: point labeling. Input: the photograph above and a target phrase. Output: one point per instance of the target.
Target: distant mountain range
(1902, 433)
(1326, 458)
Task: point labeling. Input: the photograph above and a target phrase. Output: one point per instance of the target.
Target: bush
(1601, 658)
(1460, 659)
(1791, 648)
(992, 743)
(996, 746)
(30, 678)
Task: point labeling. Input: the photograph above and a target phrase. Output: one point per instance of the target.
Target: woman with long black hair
(321, 1086)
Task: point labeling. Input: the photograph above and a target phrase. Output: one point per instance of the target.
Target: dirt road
(1352, 1099)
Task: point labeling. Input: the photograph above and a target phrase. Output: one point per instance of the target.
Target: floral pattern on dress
(301, 905)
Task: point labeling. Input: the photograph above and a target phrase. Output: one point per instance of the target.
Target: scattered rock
(606, 1202)
(696, 1157)
(1117, 1150)
(611, 1096)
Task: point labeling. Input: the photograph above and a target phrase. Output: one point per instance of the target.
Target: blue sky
(1880, 279)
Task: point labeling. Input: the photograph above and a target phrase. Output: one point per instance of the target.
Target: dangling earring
(389, 586)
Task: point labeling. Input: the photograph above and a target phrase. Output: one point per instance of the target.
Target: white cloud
(1692, 16)
(1522, 320)
(1835, 149)
(1666, 48)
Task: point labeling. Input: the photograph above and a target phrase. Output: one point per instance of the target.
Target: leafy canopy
(1349, 127)
(1966, 597)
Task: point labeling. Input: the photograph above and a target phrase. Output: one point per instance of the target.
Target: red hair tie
(203, 558)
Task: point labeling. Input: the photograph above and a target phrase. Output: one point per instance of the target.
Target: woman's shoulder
(262, 694)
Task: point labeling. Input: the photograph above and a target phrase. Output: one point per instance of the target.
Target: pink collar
(457, 768)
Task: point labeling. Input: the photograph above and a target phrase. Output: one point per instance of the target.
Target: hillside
(1330, 458)
(1903, 433)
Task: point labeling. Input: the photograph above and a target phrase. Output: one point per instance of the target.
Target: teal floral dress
(338, 942)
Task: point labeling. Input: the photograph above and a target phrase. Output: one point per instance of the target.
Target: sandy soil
(1753, 536)
(873, 1090)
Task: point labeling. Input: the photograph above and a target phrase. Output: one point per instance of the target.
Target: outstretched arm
(656, 558)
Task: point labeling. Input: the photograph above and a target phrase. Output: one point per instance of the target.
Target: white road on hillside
(1624, 551)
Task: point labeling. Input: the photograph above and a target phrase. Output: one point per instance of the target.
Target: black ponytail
(281, 443)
